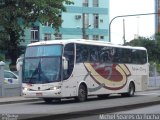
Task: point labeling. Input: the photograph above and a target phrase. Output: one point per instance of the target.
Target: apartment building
(87, 19)
(157, 17)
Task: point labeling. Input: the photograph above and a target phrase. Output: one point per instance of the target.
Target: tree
(16, 15)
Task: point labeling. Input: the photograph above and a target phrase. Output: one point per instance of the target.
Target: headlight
(55, 88)
(26, 89)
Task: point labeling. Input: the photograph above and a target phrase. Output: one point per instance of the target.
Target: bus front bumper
(43, 94)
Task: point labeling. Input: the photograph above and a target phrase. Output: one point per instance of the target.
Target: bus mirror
(19, 62)
(65, 63)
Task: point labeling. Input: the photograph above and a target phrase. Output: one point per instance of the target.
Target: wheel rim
(82, 93)
(131, 90)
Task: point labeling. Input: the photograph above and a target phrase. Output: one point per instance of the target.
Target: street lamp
(124, 32)
(125, 16)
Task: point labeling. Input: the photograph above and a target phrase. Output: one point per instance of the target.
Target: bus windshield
(44, 51)
(42, 64)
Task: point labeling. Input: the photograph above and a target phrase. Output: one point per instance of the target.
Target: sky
(142, 25)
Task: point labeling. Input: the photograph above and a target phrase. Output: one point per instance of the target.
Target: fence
(8, 90)
(154, 76)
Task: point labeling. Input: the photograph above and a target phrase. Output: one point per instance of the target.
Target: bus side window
(82, 53)
(93, 54)
(140, 56)
(105, 55)
(69, 55)
(117, 56)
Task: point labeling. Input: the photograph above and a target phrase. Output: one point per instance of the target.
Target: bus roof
(83, 41)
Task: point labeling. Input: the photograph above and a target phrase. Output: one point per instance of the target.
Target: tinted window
(131, 56)
(69, 55)
(9, 75)
(139, 56)
(107, 54)
(82, 54)
(47, 50)
(41, 70)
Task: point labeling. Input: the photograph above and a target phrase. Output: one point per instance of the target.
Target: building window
(47, 36)
(58, 36)
(101, 37)
(95, 20)
(101, 20)
(95, 37)
(35, 34)
(95, 3)
(85, 3)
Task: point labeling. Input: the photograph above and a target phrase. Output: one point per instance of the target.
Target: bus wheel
(48, 100)
(131, 90)
(82, 93)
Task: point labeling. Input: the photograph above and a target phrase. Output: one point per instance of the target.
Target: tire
(131, 90)
(48, 100)
(82, 94)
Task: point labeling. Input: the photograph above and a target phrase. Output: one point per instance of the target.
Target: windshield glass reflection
(42, 70)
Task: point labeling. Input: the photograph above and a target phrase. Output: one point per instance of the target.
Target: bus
(77, 68)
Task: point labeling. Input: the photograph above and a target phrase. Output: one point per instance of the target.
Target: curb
(19, 101)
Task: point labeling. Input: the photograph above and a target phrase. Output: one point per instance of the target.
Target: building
(85, 19)
(157, 17)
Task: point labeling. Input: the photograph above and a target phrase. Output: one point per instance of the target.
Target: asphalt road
(70, 108)
(150, 113)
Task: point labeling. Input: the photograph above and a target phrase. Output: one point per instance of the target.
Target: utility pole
(124, 32)
(83, 26)
(126, 16)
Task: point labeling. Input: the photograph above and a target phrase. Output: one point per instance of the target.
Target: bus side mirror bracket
(65, 63)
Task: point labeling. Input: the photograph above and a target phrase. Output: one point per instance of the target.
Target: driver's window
(69, 55)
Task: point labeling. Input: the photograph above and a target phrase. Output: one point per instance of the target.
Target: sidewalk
(85, 109)
(16, 99)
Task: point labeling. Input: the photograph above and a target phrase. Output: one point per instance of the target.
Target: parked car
(10, 77)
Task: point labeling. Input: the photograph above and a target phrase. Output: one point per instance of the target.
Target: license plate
(38, 94)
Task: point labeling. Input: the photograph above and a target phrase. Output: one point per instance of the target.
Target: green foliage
(16, 15)
(2, 57)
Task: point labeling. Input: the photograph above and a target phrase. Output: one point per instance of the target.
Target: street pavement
(101, 107)
(19, 99)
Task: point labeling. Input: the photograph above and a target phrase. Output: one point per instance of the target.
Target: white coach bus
(80, 68)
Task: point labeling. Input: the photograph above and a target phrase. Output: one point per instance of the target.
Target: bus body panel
(99, 77)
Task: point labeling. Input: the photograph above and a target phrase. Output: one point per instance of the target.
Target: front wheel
(48, 100)
(82, 94)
